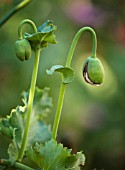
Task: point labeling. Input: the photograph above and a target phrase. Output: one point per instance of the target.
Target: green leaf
(5, 128)
(43, 36)
(39, 131)
(14, 124)
(17, 122)
(53, 156)
(13, 127)
(50, 38)
(47, 27)
(68, 73)
(42, 102)
(13, 150)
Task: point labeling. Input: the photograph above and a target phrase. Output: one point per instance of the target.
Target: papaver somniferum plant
(29, 134)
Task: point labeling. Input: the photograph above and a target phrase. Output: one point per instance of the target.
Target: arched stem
(68, 62)
(75, 40)
(32, 88)
(26, 21)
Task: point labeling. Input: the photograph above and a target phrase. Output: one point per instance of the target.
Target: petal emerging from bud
(93, 71)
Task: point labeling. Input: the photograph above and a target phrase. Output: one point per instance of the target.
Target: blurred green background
(93, 118)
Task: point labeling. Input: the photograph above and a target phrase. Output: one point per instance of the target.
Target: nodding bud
(93, 71)
(23, 49)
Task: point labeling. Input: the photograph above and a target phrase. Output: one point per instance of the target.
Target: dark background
(93, 118)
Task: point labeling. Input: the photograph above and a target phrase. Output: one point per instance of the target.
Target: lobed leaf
(68, 73)
(5, 128)
(47, 27)
(53, 156)
(43, 36)
(14, 124)
(42, 101)
(17, 122)
(13, 150)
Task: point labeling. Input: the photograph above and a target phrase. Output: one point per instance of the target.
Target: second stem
(68, 62)
(30, 103)
(58, 111)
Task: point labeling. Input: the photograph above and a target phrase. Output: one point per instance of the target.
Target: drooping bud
(93, 71)
(23, 49)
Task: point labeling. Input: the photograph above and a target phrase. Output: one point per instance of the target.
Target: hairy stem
(14, 10)
(15, 165)
(30, 103)
(68, 62)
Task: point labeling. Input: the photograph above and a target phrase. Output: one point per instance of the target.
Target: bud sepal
(93, 71)
(23, 49)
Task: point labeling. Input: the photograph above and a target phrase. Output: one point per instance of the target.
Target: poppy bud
(23, 49)
(93, 71)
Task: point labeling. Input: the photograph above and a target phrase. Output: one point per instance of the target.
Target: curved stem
(14, 10)
(15, 165)
(58, 111)
(75, 40)
(30, 103)
(68, 62)
(26, 21)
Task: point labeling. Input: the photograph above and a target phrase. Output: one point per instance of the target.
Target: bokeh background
(93, 118)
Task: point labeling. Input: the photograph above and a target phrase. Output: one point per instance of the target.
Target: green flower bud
(23, 49)
(93, 71)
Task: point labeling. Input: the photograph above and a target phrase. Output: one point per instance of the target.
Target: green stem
(32, 87)
(15, 165)
(26, 21)
(30, 103)
(58, 111)
(14, 10)
(75, 40)
(68, 62)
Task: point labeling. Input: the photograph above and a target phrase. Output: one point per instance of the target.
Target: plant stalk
(14, 10)
(26, 21)
(68, 62)
(58, 111)
(15, 165)
(30, 104)
(75, 40)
